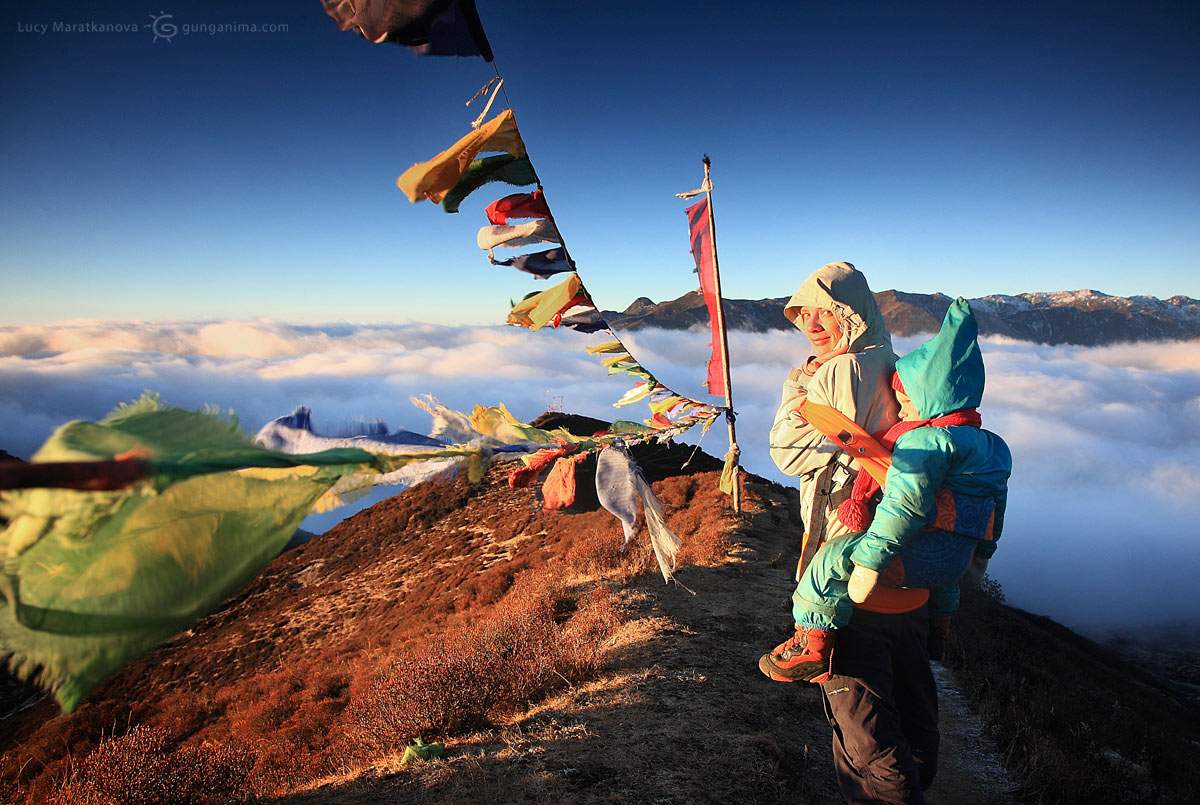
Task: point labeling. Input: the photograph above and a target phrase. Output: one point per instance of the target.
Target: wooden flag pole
(729, 416)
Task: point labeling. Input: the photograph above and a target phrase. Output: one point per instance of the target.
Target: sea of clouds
(1104, 504)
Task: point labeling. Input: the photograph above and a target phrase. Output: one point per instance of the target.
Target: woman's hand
(975, 573)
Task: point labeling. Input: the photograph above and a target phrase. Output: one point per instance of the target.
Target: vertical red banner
(700, 229)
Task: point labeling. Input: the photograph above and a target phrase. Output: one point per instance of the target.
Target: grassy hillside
(555, 668)
(1076, 721)
(433, 613)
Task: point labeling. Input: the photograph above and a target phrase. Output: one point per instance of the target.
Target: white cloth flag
(619, 483)
(512, 236)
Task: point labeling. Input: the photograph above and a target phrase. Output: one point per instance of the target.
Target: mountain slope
(1085, 318)
(281, 694)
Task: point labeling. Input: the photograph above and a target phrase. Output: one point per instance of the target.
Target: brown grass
(1076, 724)
(523, 649)
(144, 766)
(431, 614)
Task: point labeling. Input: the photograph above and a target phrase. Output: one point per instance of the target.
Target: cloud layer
(1106, 441)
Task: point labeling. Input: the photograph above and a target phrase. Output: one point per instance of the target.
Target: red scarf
(853, 512)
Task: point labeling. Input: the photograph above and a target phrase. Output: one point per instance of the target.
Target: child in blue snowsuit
(942, 507)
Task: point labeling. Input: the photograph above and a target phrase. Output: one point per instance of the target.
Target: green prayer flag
(93, 580)
(419, 750)
(503, 168)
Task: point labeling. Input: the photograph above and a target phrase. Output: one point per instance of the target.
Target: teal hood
(945, 374)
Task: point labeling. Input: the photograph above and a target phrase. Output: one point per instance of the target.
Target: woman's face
(823, 329)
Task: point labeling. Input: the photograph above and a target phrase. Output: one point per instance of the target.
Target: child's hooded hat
(945, 374)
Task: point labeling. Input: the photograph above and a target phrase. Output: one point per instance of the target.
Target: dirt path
(683, 715)
(970, 769)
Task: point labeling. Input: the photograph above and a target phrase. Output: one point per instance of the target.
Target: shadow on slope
(1076, 722)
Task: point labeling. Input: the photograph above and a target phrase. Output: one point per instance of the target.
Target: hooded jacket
(943, 375)
(857, 383)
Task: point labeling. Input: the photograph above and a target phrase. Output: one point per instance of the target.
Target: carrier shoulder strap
(847, 434)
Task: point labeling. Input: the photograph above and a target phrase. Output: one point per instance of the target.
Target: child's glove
(862, 582)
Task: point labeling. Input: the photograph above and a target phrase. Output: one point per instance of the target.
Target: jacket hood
(945, 374)
(842, 288)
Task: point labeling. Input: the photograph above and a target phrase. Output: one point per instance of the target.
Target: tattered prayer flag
(636, 394)
(606, 348)
(491, 237)
(518, 205)
(499, 423)
(436, 177)
(585, 321)
(500, 168)
(619, 485)
(620, 358)
(666, 404)
(429, 27)
(700, 229)
(558, 490)
(522, 477)
(94, 579)
(537, 310)
(634, 368)
(728, 472)
(630, 366)
(542, 265)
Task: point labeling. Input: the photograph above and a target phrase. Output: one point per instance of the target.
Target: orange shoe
(805, 657)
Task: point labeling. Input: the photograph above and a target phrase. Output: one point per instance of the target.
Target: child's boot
(805, 657)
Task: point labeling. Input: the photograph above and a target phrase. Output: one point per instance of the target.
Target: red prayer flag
(518, 205)
(700, 228)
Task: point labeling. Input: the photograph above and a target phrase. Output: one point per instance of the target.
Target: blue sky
(965, 148)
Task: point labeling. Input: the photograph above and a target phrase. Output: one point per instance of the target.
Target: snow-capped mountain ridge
(1085, 317)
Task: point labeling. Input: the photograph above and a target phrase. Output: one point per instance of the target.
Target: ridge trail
(681, 712)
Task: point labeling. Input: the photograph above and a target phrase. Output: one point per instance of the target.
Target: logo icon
(163, 29)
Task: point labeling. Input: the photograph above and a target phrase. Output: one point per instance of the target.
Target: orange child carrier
(875, 459)
(848, 435)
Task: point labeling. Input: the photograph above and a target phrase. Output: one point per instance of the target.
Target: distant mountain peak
(1085, 317)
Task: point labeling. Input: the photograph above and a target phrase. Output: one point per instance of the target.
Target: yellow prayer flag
(662, 406)
(636, 394)
(606, 347)
(537, 311)
(609, 361)
(728, 472)
(434, 178)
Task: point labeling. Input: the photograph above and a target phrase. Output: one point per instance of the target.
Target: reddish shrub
(277, 769)
(141, 767)
(595, 551)
(584, 635)
(515, 653)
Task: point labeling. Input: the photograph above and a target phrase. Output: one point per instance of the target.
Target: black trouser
(882, 705)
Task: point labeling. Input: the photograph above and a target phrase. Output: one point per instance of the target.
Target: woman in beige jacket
(850, 370)
(879, 695)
